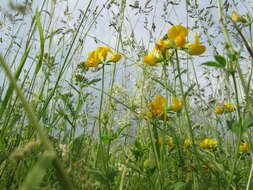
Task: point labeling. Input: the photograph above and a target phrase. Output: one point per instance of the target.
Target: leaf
(42, 43)
(221, 60)
(212, 64)
(179, 186)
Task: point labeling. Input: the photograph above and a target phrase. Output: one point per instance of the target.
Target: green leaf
(179, 186)
(221, 60)
(212, 64)
(42, 42)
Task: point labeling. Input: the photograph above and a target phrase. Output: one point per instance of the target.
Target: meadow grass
(168, 110)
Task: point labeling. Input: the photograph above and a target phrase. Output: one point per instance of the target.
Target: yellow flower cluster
(208, 143)
(99, 56)
(157, 107)
(176, 35)
(223, 109)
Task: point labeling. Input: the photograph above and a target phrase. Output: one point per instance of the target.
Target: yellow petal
(177, 30)
(115, 58)
(195, 48)
(161, 45)
(103, 52)
(229, 107)
(157, 106)
(218, 110)
(150, 59)
(176, 104)
(244, 147)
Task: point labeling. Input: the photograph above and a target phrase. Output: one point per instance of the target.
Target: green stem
(184, 103)
(239, 135)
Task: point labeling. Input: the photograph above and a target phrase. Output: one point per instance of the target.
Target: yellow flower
(176, 104)
(244, 147)
(151, 59)
(229, 107)
(157, 106)
(218, 110)
(92, 60)
(208, 143)
(187, 143)
(195, 48)
(99, 56)
(115, 58)
(160, 140)
(103, 52)
(237, 18)
(178, 34)
(162, 45)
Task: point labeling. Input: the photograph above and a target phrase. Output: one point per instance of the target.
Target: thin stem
(184, 102)
(239, 135)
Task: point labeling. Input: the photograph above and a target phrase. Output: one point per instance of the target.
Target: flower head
(162, 46)
(157, 106)
(218, 110)
(208, 143)
(178, 34)
(153, 57)
(176, 104)
(244, 147)
(229, 107)
(99, 56)
(92, 60)
(225, 108)
(195, 48)
(157, 109)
